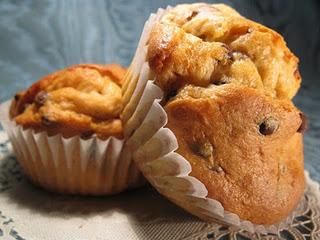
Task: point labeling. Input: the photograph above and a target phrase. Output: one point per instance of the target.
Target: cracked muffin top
(80, 100)
(202, 44)
(228, 84)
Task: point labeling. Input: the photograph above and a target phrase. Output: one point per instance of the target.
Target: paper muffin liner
(71, 165)
(153, 147)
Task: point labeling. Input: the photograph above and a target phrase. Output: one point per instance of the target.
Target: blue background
(41, 36)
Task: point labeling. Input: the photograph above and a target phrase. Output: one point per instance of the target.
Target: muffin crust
(202, 44)
(83, 99)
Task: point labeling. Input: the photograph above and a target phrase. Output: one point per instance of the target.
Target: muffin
(67, 133)
(216, 131)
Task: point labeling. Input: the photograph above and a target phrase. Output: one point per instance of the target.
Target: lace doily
(30, 213)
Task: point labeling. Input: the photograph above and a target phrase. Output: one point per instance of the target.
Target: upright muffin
(232, 136)
(79, 100)
(70, 122)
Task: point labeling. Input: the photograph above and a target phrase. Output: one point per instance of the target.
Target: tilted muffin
(227, 85)
(67, 134)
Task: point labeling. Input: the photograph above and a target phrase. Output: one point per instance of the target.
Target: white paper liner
(153, 147)
(71, 165)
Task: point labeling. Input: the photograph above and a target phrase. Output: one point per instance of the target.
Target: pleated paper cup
(153, 146)
(71, 165)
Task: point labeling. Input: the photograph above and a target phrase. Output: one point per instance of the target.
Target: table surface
(38, 37)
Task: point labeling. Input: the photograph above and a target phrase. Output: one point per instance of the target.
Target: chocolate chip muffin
(228, 82)
(226, 114)
(79, 100)
(66, 131)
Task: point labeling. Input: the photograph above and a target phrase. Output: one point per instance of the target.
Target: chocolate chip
(304, 124)
(171, 94)
(86, 134)
(41, 98)
(203, 37)
(221, 81)
(269, 126)
(17, 97)
(46, 121)
(193, 14)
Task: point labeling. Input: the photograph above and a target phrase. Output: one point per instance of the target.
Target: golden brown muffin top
(201, 44)
(82, 99)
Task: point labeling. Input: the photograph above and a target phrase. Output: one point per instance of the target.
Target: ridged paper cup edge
(71, 165)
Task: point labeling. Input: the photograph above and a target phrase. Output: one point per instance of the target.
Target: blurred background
(41, 36)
